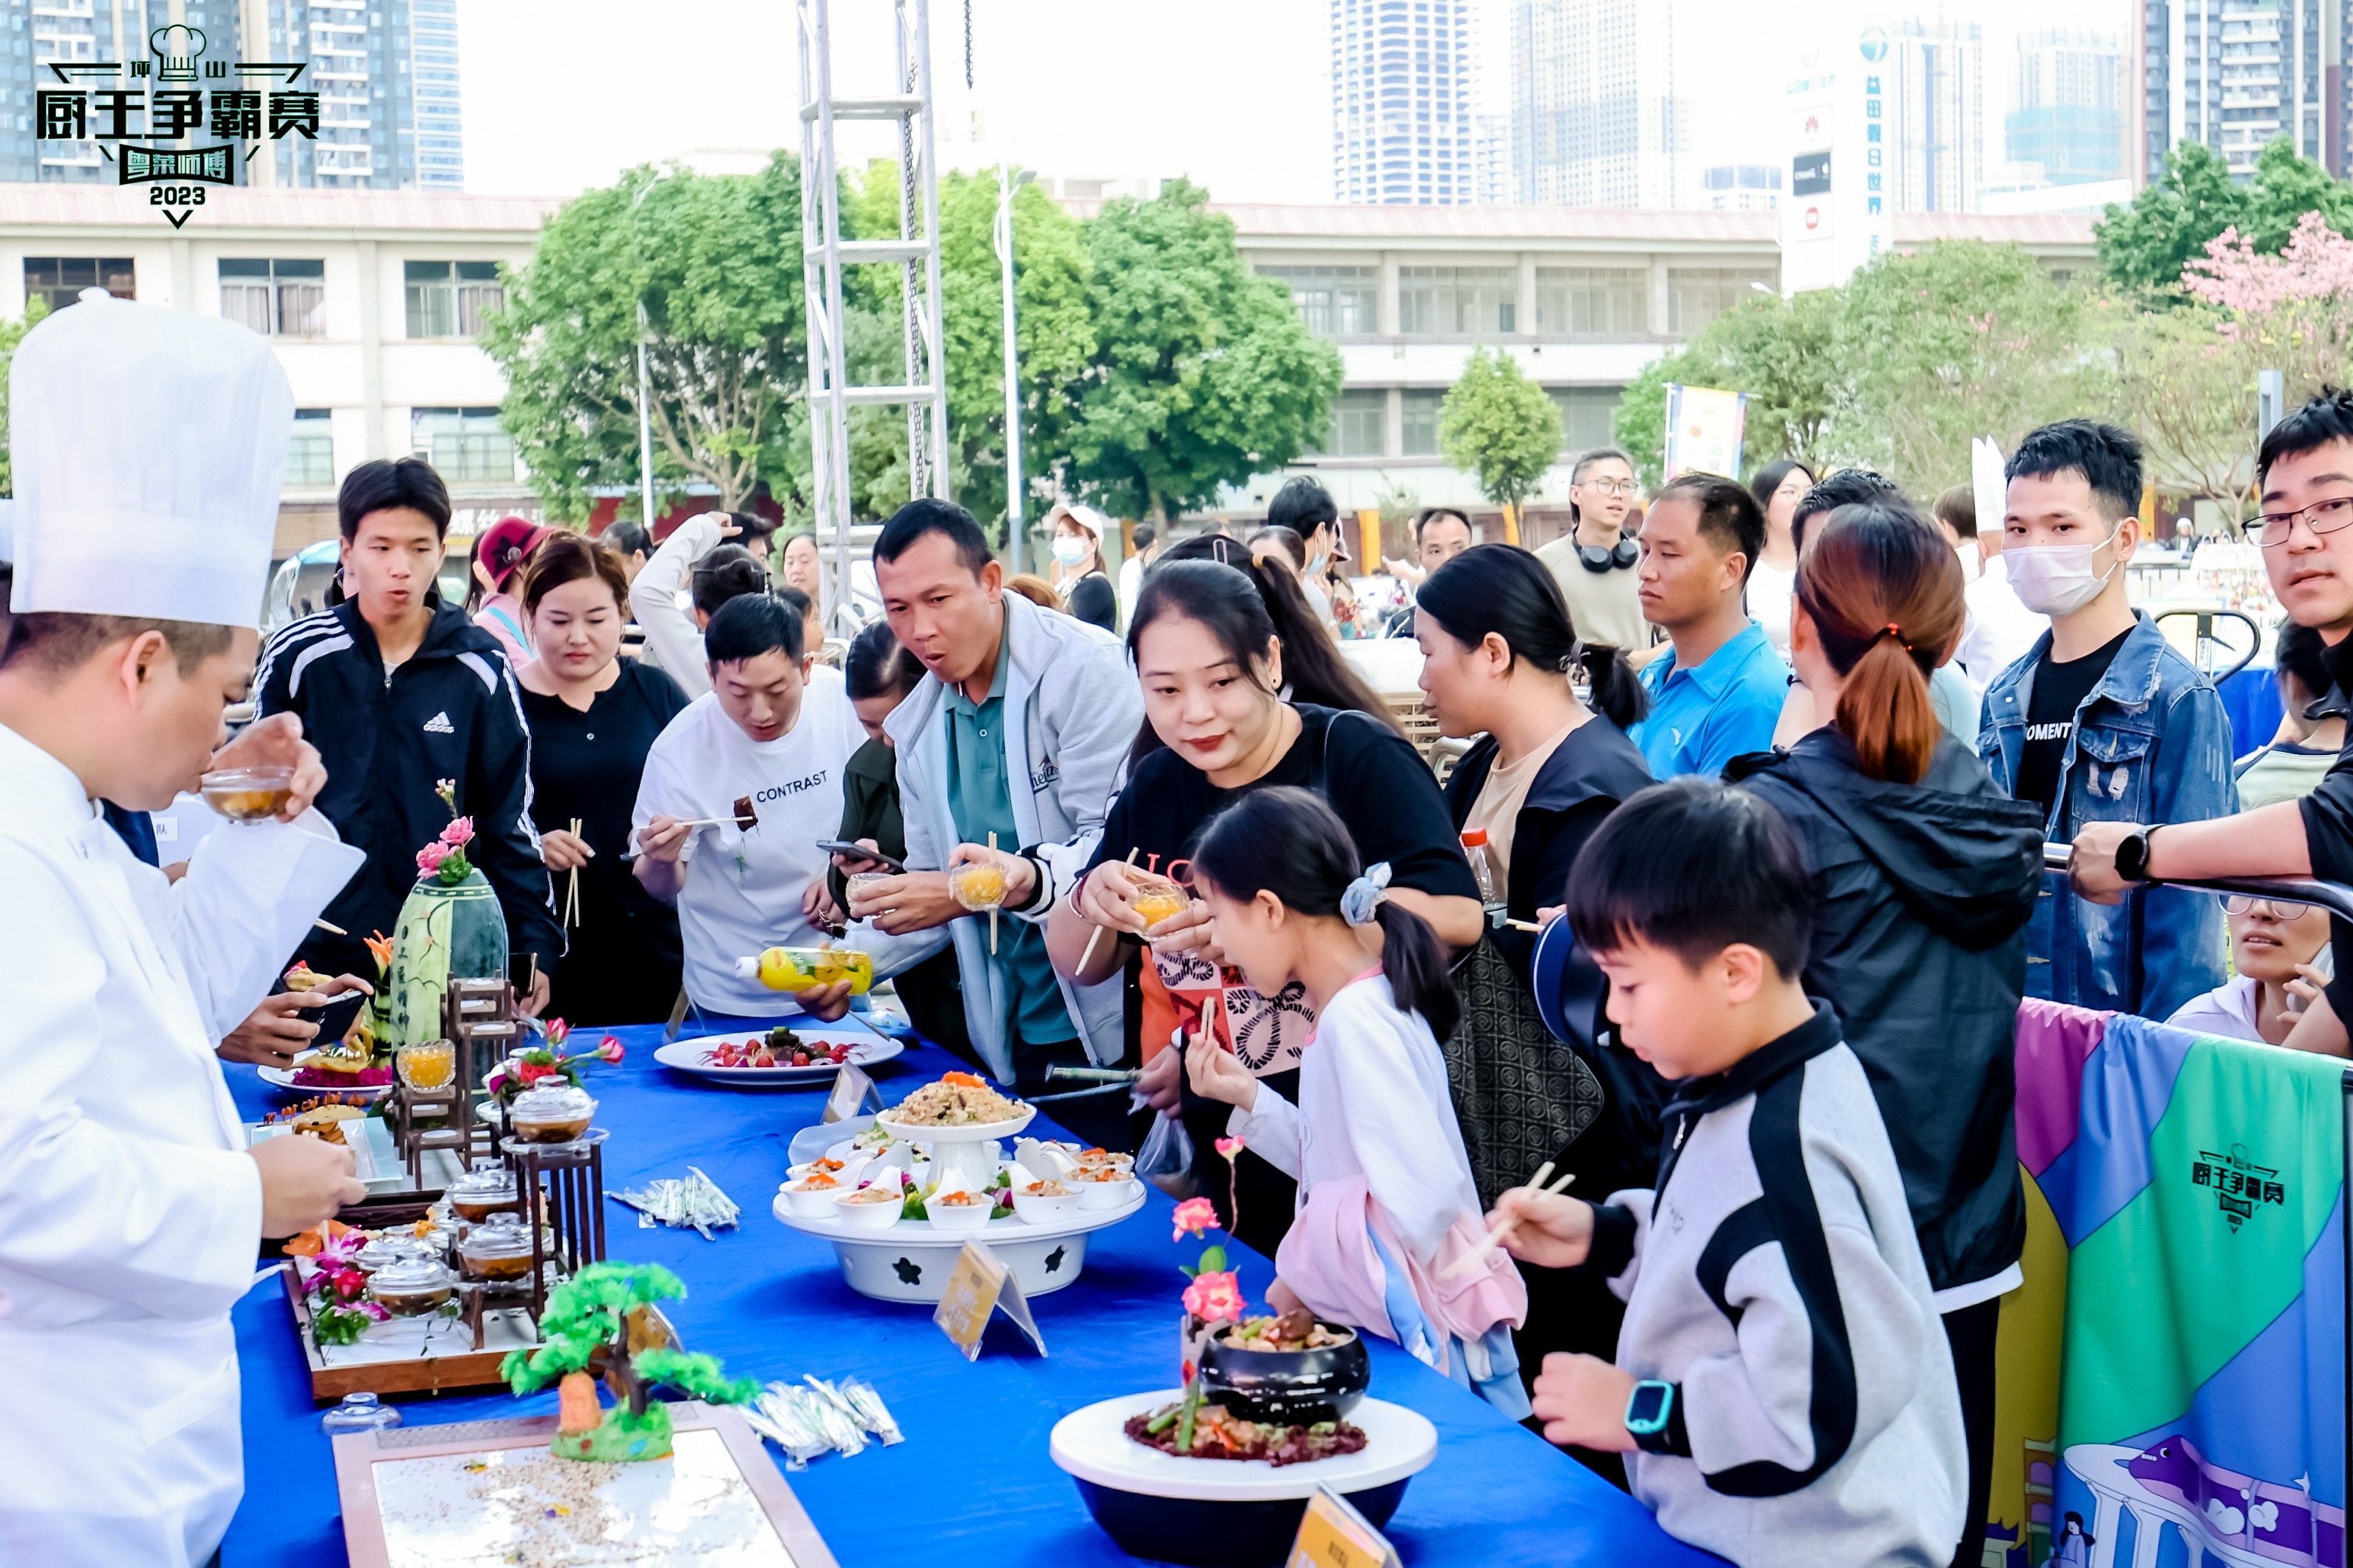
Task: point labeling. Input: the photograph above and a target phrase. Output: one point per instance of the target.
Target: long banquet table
(972, 1474)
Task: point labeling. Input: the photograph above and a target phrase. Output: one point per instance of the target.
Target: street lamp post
(645, 393)
(1007, 183)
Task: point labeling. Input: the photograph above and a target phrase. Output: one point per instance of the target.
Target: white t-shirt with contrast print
(743, 890)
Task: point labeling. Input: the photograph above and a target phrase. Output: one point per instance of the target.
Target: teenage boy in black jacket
(399, 690)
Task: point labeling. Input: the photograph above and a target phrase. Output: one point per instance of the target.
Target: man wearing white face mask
(2103, 721)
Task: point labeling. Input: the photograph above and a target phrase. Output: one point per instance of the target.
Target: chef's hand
(825, 1003)
(1162, 1082)
(817, 908)
(2091, 861)
(564, 849)
(1217, 1074)
(176, 870)
(274, 1032)
(533, 1001)
(1555, 1231)
(1020, 875)
(853, 865)
(303, 1181)
(1190, 930)
(662, 839)
(277, 741)
(915, 901)
(1581, 1400)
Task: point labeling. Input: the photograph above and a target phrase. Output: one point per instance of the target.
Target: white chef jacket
(130, 1216)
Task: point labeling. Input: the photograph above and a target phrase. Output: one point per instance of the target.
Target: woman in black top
(1080, 576)
(1213, 667)
(593, 717)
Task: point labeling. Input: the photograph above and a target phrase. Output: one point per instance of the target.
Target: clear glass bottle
(359, 1413)
(1483, 871)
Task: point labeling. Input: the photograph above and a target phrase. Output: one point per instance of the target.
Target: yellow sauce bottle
(795, 969)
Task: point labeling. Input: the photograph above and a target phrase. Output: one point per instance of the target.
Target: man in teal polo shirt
(1716, 693)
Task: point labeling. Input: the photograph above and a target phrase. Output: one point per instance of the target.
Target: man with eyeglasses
(1594, 564)
(2103, 722)
(2304, 470)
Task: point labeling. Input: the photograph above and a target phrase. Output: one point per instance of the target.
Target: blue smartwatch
(1654, 1418)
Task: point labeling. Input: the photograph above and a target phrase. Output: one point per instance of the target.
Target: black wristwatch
(2132, 855)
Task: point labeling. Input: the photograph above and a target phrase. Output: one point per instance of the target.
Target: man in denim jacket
(2103, 721)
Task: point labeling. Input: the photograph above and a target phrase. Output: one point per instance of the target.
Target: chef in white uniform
(148, 446)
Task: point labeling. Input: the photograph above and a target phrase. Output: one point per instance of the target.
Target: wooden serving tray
(448, 1361)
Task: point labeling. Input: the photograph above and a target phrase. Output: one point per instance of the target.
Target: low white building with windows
(371, 299)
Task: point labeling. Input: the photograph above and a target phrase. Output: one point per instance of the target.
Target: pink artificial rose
(459, 832)
(1195, 1216)
(558, 1031)
(1215, 1297)
(1230, 1147)
(429, 858)
(376, 1310)
(608, 1049)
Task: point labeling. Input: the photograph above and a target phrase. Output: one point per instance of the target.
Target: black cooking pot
(1287, 1388)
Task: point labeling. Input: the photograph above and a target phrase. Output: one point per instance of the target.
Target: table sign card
(853, 1094)
(980, 1285)
(1333, 1534)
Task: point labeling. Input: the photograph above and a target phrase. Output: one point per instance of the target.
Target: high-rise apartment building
(1936, 111)
(2238, 75)
(1401, 114)
(386, 72)
(2067, 123)
(1595, 118)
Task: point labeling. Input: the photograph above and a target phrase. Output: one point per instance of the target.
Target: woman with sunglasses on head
(2275, 951)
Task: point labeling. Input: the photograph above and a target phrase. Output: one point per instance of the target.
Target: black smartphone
(836, 847)
(335, 1018)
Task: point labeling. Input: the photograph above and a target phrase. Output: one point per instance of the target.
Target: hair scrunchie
(1366, 895)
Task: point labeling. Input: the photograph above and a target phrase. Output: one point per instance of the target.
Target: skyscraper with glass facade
(1595, 118)
(1402, 133)
(2238, 75)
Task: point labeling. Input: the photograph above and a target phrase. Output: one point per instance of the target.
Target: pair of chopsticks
(1494, 1238)
(572, 894)
(992, 908)
(1096, 935)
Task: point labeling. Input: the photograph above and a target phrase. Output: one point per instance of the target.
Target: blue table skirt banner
(972, 1479)
(2251, 699)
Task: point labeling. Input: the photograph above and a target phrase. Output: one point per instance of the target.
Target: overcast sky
(563, 94)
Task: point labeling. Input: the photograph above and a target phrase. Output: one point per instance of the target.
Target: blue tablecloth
(972, 1477)
(2251, 699)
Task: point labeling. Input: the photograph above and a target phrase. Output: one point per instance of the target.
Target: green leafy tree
(2185, 385)
(716, 261)
(1202, 374)
(589, 1328)
(11, 334)
(2144, 246)
(1499, 426)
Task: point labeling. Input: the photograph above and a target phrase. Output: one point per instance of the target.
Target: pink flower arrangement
(429, 860)
(1230, 1147)
(445, 859)
(459, 832)
(608, 1051)
(1195, 1216)
(1215, 1296)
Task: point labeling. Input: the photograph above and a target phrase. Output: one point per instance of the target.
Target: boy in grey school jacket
(1783, 1389)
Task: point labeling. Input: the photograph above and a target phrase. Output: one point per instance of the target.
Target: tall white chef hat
(148, 446)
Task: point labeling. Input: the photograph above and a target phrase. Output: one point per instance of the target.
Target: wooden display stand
(476, 1016)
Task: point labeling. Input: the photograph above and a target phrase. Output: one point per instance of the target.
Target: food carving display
(449, 927)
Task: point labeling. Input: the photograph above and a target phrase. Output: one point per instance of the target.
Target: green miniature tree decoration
(599, 1323)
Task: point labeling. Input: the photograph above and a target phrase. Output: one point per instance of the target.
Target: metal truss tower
(824, 253)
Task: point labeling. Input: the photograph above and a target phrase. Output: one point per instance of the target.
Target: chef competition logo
(2239, 1185)
(147, 125)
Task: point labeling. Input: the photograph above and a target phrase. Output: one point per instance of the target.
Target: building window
(311, 455)
(1420, 432)
(1586, 416)
(1611, 299)
(275, 298)
(1458, 301)
(1357, 420)
(463, 443)
(1698, 295)
(59, 279)
(1334, 301)
(447, 299)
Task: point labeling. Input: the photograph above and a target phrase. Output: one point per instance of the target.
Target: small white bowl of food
(869, 1209)
(845, 1171)
(1043, 1202)
(1102, 1186)
(812, 1196)
(1102, 1159)
(959, 1211)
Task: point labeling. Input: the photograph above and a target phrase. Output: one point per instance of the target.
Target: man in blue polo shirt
(1716, 693)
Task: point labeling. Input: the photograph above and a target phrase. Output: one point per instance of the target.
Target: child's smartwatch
(1654, 1416)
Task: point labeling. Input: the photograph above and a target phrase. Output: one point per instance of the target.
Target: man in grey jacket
(1021, 728)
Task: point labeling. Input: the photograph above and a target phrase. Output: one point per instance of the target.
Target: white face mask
(2057, 579)
(1069, 549)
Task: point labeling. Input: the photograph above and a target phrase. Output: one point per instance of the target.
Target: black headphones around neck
(1593, 557)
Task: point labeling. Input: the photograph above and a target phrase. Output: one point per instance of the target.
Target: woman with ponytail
(1387, 1208)
(1923, 876)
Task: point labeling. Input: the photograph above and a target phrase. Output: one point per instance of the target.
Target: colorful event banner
(1704, 429)
(2173, 1372)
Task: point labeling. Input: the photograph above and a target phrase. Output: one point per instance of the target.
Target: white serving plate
(866, 1049)
(283, 1079)
(910, 1261)
(970, 1133)
(1093, 1446)
(374, 1159)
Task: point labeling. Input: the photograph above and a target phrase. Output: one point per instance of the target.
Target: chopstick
(1097, 934)
(1494, 1238)
(1524, 925)
(992, 908)
(330, 927)
(572, 897)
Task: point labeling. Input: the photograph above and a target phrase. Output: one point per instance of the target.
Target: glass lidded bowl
(248, 794)
(498, 1249)
(977, 885)
(480, 1192)
(551, 1114)
(412, 1286)
(426, 1064)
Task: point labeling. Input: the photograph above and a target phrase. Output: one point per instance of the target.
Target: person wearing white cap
(1079, 575)
(148, 447)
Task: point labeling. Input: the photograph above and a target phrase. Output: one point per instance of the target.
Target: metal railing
(2334, 897)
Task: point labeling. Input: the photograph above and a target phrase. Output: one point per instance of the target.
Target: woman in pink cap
(498, 557)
